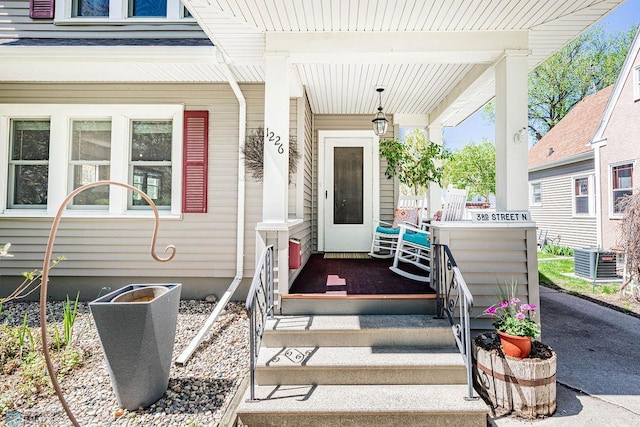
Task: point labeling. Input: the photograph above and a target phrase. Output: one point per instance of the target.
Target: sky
(475, 128)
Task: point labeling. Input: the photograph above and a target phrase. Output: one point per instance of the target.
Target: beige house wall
(118, 248)
(622, 135)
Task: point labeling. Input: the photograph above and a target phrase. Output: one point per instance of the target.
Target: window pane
(582, 187)
(155, 181)
(348, 185)
(582, 205)
(622, 176)
(30, 140)
(91, 8)
(148, 8)
(537, 196)
(151, 140)
(85, 174)
(30, 184)
(617, 197)
(91, 140)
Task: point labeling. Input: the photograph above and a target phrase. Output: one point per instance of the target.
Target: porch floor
(361, 276)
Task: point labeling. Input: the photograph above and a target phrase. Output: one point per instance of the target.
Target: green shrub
(558, 250)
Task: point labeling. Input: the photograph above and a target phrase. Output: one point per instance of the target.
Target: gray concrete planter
(137, 328)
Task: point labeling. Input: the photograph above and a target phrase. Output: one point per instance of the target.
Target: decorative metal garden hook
(45, 274)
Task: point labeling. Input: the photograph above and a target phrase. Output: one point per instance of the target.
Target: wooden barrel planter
(526, 387)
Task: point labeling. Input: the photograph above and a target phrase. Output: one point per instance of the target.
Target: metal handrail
(259, 307)
(453, 293)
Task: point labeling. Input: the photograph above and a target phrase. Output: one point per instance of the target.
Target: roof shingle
(572, 135)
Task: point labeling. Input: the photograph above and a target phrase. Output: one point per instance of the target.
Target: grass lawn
(558, 273)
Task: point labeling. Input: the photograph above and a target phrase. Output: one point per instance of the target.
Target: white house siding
(388, 194)
(206, 243)
(622, 135)
(491, 257)
(15, 23)
(555, 214)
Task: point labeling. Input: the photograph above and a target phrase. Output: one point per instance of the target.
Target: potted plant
(514, 324)
(414, 161)
(512, 373)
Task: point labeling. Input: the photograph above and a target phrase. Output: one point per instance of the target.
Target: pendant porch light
(380, 122)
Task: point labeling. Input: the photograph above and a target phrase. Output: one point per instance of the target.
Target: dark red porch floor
(363, 277)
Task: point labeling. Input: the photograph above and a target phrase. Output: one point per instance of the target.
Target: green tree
(414, 161)
(590, 62)
(473, 166)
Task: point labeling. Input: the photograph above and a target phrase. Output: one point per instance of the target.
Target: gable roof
(570, 138)
(634, 51)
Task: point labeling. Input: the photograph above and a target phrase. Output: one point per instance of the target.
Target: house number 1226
(275, 139)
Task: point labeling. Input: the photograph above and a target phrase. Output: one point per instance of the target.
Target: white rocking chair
(413, 248)
(410, 210)
(455, 204)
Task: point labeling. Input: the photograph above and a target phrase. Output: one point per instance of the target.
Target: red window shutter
(41, 9)
(194, 170)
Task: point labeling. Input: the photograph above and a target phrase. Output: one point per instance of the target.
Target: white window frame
(591, 199)
(636, 83)
(118, 13)
(532, 186)
(61, 116)
(613, 214)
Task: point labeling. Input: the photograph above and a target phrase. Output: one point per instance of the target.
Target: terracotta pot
(513, 345)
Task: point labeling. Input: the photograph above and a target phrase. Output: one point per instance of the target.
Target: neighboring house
(616, 145)
(587, 162)
(562, 196)
(162, 99)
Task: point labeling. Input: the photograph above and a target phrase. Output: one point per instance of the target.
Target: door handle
(326, 194)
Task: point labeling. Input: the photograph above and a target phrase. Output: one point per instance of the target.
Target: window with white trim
(636, 84)
(583, 196)
(90, 162)
(54, 149)
(621, 186)
(28, 163)
(536, 194)
(120, 10)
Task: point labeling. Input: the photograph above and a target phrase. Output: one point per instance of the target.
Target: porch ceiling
(342, 50)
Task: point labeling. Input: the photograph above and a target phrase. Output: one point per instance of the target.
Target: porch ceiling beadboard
(448, 85)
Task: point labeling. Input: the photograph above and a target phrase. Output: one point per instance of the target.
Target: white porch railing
(455, 300)
(259, 307)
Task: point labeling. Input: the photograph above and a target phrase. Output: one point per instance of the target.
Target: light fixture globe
(380, 122)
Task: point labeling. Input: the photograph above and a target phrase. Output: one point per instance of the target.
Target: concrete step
(357, 331)
(323, 304)
(369, 405)
(360, 365)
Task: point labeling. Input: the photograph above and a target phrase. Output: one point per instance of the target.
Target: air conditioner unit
(595, 264)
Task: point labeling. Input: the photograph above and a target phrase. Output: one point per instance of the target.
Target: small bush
(558, 250)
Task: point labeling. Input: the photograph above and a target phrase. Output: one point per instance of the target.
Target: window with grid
(90, 161)
(28, 164)
(150, 161)
(622, 185)
(536, 194)
(581, 194)
(119, 10)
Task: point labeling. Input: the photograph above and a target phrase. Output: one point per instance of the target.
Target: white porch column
(511, 116)
(275, 188)
(434, 133)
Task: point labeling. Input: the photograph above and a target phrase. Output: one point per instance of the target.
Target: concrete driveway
(598, 374)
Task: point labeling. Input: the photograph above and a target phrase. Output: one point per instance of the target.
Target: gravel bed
(198, 393)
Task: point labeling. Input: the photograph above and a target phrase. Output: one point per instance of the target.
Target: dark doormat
(362, 277)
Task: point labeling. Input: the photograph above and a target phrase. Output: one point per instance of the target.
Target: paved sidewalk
(598, 378)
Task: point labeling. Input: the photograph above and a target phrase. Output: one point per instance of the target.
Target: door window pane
(29, 163)
(90, 160)
(348, 185)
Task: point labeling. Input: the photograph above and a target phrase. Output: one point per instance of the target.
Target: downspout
(598, 195)
(226, 297)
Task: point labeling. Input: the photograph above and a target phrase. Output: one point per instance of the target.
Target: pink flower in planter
(520, 315)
